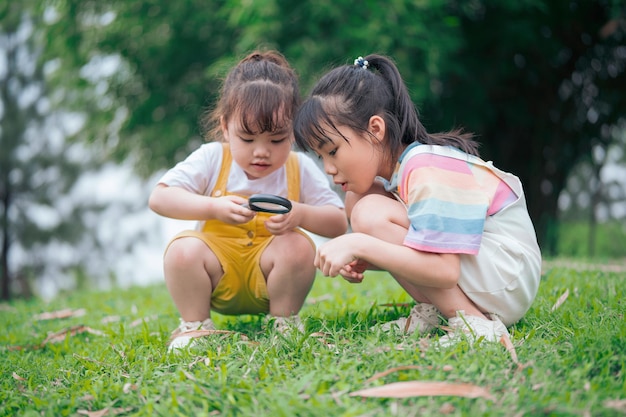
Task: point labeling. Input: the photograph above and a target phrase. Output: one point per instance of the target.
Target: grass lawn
(108, 357)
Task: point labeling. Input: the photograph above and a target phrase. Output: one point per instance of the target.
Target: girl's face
(258, 154)
(354, 164)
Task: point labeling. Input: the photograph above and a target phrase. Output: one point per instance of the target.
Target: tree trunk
(5, 284)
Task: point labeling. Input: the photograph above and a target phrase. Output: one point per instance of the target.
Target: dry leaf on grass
(61, 314)
(392, 370)
(110, 319)
(396, 305)
(189, 376)
(88, 359)
(128, 387)
(72, 331)
(447, 408)
(505, 340)
(59, 336)
(424, 389)
(619, 405)
(98, 413)
(17, 377)
(140, 321)
(202, 333)
(561, 300)
(321, 337)
(104, 412)
(315, 300)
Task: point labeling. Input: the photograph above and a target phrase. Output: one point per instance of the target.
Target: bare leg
(287, 264)
(191, 272)
(352, 198)
(385, 218)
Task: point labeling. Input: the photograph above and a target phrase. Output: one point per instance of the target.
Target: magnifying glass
(269, 203)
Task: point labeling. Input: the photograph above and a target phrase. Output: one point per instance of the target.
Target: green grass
(573, 358)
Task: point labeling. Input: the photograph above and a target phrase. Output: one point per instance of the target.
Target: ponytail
(351, 94)
(404, 110)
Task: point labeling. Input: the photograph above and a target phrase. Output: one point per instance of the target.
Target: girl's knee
(363, 214)
(374, 211)
(302, 246)
(293, 247)
(184, 251)
(294, 239)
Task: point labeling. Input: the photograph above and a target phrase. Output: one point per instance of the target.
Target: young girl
(452, 229)
(238, 261)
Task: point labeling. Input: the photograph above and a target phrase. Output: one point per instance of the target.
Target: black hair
(350, 95)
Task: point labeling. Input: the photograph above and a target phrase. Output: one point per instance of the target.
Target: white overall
(503, 278)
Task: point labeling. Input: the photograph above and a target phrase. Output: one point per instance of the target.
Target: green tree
(541, 85)
(595, 193)
(536, 80)
(171, 57)
(175, 53)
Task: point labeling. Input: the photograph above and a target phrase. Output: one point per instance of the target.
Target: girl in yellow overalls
(238, 261)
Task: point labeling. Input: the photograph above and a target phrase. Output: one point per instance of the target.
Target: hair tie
(361, 62)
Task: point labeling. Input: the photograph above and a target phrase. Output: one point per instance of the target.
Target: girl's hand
(353, 272)
(179, 203)
(359, 266)
(282, 223)
(338, 257)
(230, 209)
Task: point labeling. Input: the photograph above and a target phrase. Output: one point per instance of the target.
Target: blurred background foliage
(541, 82)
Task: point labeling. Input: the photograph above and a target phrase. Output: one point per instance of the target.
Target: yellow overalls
(242, 289)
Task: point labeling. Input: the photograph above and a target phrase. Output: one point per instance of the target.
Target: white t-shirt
(198, 174)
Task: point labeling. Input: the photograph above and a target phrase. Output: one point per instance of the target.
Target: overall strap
(293, 177)
(222, 179)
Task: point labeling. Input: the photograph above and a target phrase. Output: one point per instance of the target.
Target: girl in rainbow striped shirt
(452, 229)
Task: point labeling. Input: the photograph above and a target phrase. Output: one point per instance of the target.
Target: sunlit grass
(571, 359)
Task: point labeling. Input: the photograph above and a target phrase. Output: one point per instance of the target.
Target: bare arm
(416, 267)
(178, 203)
(328, 221)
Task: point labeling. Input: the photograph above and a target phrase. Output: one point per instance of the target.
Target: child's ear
(377, 127)
(224, 126)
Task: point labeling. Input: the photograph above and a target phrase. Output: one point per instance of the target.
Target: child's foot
(285, 325)
(473, 328)
(183, 337)
(422, 318)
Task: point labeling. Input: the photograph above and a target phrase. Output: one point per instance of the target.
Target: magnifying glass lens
(268, 206)
(269, 203)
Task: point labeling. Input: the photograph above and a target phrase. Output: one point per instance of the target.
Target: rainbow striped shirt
(449, 195)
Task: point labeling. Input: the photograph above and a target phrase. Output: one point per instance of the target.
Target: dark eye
(279, 140)
(333, 152)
